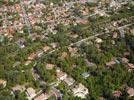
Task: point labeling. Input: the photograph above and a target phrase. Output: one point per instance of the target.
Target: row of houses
(11, 19)
(40, 52)
(78, 90)
(31, 93)
(123, 60)
(55, 14)
(118, 93)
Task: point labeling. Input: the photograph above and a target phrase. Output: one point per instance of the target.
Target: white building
(80, 91)
(30, 93)
(61, 75)
(69, 81)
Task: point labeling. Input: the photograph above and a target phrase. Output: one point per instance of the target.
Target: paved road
(26, 19)
(121, 29)
(76, 43)
(125, 26)
(106, 22)
(85, 39)
(57, 93)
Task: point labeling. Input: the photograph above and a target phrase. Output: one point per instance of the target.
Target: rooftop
(3, 82)
(80, 90)
(130, 92)
(42, 96)
(30, 92)
(61, 75)
(49, 66)
(69, 81)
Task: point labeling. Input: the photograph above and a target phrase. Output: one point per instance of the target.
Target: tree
(20, 96)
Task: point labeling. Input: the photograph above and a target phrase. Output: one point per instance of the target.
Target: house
(115, 35)
(69, 81)
(42, 96)
(46, 48)
(61, 75)
(116, 93)
(130, 92)
(85, 75)
(72, 50)
(54, 45)
(32, 56)
(27, 62)
(49, 66)
(82, 21)
(39, 53)
(98, 40)
(20, 43)
(80, 90)
(124, 60)
(3, 83)
(131, 66)
(63, 55)
(30, 93)
(111, 63)
(19, 88)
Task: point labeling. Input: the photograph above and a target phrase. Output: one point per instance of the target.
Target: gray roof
(85, 74)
